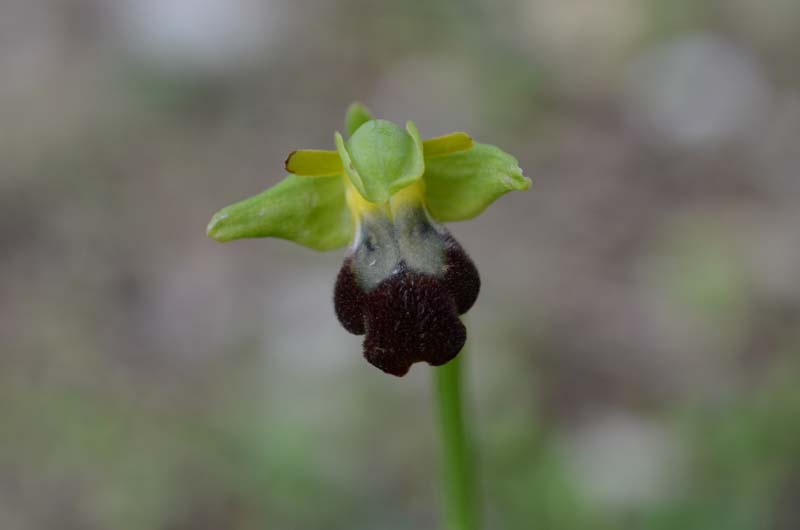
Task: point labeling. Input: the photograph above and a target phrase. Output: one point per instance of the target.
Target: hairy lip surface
(410, 316)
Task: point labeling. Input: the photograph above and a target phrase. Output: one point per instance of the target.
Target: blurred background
(633, 358)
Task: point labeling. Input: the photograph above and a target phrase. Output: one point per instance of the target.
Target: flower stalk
(461, 510)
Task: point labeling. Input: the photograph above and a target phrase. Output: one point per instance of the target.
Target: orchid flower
(385, 192)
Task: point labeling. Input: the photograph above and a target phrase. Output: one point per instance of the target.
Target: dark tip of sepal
(288, 159)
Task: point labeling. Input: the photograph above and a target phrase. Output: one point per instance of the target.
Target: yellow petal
(314, 163)
(449, 143)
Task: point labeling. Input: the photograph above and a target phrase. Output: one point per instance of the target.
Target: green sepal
(357, 115)
(311, 211)
(381, 158)
(459, 186)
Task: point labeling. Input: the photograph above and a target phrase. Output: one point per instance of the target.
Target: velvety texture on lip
(410, 316)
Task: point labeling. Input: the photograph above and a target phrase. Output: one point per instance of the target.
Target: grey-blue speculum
(404, 284)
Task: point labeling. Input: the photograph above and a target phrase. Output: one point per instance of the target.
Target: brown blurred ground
(633, 355)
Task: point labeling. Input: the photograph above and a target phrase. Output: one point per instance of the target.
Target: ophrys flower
(405, 279)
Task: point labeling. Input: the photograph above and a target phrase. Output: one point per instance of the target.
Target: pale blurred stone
(621, 461)
(695, 90)
(205, 36)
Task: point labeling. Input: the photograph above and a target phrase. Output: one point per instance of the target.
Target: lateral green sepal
(311, 211)
(460, 185)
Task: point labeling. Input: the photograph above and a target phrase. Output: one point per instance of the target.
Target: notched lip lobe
(409, 316)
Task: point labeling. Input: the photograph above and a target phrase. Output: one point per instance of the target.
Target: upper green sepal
(311, 211)
(380, 158)
(357, 115)
(460, 185)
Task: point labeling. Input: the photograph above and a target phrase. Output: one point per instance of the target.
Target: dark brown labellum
(404, 286)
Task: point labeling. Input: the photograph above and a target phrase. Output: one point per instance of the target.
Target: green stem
(461, 511)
